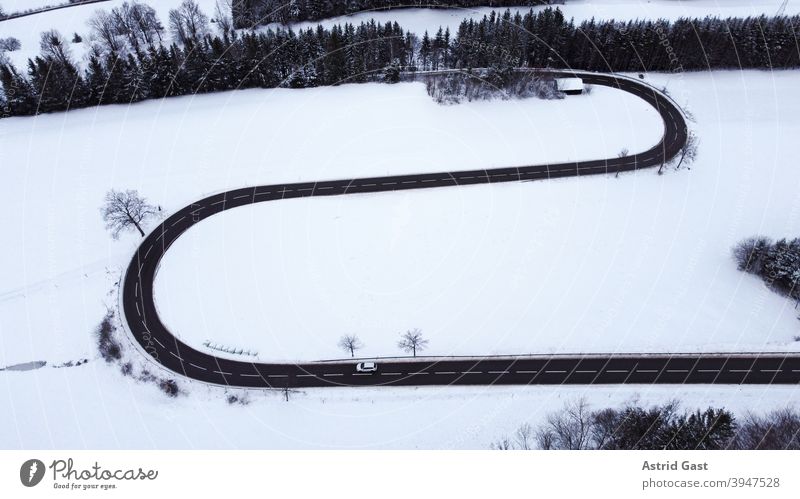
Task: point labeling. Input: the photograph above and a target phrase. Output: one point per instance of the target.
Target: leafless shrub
(502, 444)
(107, 344)
(688, 152)
(237, 398)
(170, 387)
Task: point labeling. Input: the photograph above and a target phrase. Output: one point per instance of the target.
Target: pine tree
(19, 94)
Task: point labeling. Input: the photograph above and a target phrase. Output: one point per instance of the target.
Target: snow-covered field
(89, 407)
(421, 20)
(177, 150)
(638, 263)
(629, 261)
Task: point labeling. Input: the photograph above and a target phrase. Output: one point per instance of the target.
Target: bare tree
(176, 27)
(688, 152)
(777, 430)
(524, 437)
(621, 154)
(223, 12)
(411, 341)
(121, 18)
(502, 444)
(187, 22)
(287, 391)
(350, 343)
(605, 424)
(9, 44)
(139, 23)
(567, 430)
(544, 439)
(104, 28)
(53, 45)
(124, 210)
(144, 21)
(135, 22)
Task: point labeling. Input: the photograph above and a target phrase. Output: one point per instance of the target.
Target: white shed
(570, 86)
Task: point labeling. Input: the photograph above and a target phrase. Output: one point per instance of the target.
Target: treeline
(663, 427)
(274, 58)
(130, 61)
(250, 13)
(777, 263)
(547, 39)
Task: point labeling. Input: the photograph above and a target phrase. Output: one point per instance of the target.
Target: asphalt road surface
(150, 333)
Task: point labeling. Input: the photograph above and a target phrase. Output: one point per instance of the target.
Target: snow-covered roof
(569, 84)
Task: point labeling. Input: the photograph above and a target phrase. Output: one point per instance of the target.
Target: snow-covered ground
(91, 407)
(679, 226)
(177, 150)
(638, 263)
(68, 22)
(421, 20)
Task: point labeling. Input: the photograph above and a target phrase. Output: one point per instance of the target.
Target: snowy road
(150, 333)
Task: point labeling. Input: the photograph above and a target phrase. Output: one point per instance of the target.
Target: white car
(366, 367)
